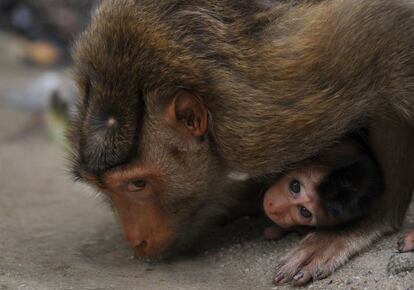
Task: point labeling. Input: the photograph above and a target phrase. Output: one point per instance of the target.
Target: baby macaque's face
(293, 200)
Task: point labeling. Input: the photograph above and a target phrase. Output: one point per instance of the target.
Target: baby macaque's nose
(271, 206)
(276, 207)
(269, 203)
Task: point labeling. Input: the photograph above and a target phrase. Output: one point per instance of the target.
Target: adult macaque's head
(151, 185)
(143, 133)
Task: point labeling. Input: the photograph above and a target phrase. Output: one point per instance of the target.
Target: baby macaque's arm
(274, 233)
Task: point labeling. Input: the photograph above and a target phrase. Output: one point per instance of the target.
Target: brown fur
(406, 243)
(281, 83)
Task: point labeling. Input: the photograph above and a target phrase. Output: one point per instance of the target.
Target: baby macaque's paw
(316, 257)
(273, 233)
(406, 243)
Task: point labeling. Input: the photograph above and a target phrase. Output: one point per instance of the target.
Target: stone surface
(35, 93)
(400, 263)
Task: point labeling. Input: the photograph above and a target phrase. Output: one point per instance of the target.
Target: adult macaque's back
(183, 101)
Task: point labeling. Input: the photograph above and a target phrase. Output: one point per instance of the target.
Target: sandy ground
(55, 234)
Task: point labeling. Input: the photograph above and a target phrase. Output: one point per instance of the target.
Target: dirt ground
(55, 234)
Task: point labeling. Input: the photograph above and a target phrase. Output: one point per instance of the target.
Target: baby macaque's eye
(305, 212)
(294, 186)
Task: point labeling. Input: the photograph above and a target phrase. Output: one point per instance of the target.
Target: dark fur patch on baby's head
(347, 193)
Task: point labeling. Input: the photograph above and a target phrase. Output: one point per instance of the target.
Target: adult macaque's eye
(305, 212)
(294, 186)
(136, 185)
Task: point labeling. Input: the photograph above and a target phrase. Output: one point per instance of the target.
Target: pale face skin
(294, 201)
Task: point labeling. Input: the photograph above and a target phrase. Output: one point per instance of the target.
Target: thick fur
(282, 81)
(348, 192)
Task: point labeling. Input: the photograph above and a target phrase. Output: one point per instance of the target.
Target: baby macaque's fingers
(319, 254)
(302, 278)
(309, 273)
(406, 243)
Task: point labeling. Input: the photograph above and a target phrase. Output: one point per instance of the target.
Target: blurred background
(35, 85)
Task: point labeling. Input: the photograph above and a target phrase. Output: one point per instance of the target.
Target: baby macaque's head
(294, 201)
(320, 196)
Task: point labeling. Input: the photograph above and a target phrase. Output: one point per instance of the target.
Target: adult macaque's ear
(188, 114)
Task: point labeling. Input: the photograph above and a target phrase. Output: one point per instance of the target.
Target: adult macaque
(183, 101)
(333, 189)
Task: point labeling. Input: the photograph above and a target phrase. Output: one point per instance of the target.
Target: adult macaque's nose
(148, 242)
(135, 241)
(142, 246)
(147, 230)
(149, 247)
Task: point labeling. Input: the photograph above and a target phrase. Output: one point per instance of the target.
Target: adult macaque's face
(137, 193)
(145, 147)
(293, 200)
(169, 187)
(142, 133)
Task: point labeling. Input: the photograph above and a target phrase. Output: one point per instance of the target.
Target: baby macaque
(332, 189)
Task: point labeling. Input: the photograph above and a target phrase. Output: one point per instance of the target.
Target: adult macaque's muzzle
(147, 229)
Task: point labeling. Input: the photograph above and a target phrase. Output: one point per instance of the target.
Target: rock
(401, 262)
(11, 48)
(55, 20)
(15, 50)
(36, 95)
(42, 53)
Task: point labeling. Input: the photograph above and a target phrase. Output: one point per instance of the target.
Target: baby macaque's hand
(274, 233)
